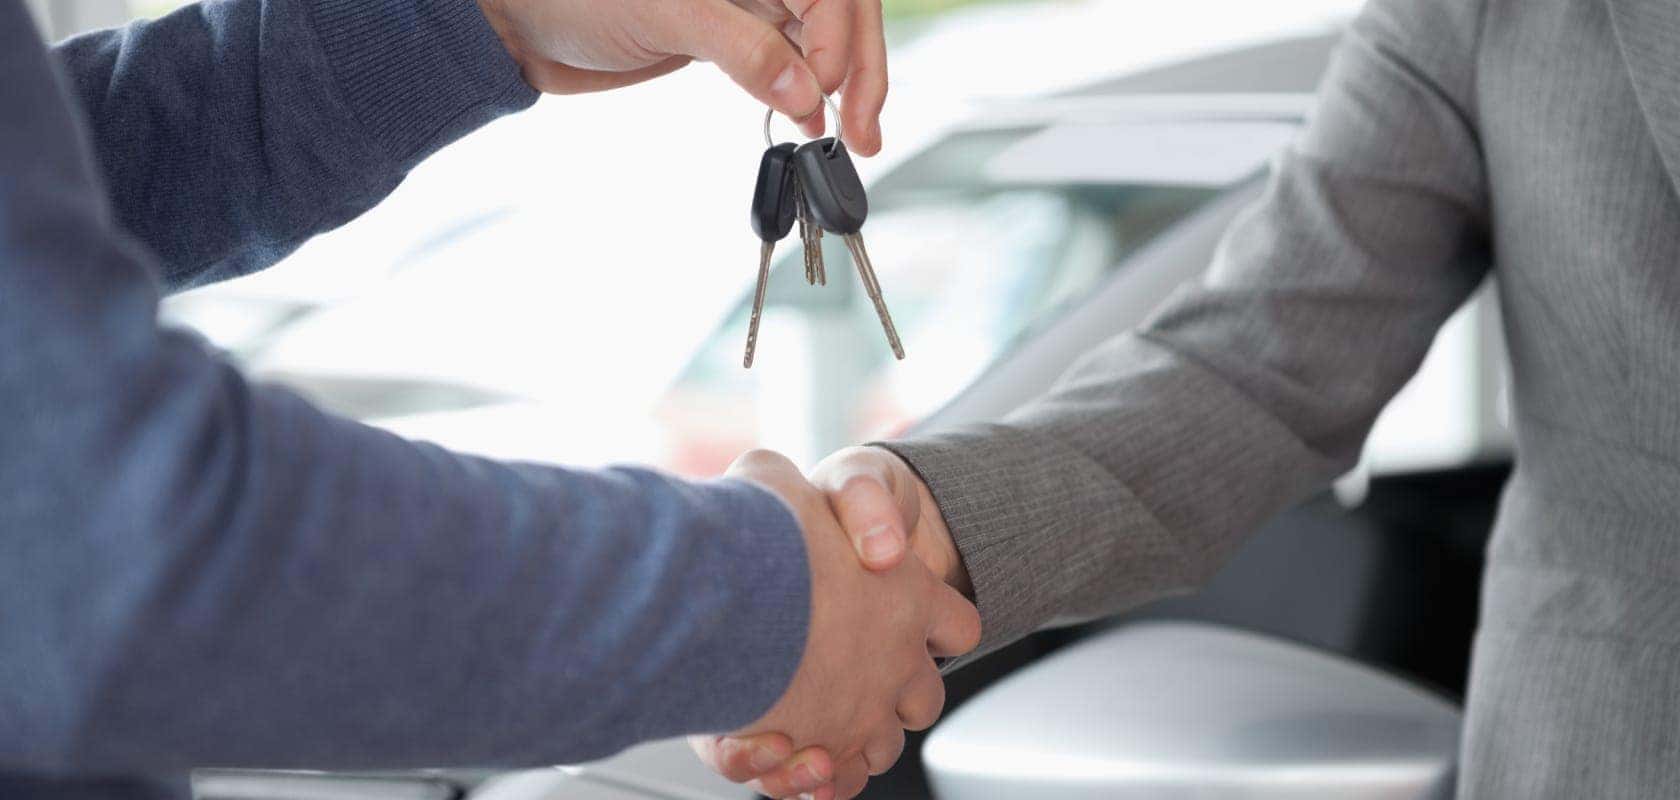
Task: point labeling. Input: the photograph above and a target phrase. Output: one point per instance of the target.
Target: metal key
(839, 205)
(804, 231)
(774, 207)
(810, 237)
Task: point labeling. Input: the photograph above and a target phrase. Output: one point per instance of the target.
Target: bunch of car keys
(816, 185)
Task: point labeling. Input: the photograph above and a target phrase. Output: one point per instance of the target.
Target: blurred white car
(525, 295)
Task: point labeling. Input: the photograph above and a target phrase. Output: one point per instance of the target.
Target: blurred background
(1052, 170)
(525, 296)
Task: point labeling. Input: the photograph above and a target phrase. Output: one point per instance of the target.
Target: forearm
(198, 571)
(230, 132)
(365, 603)
(208, 573)
(1145, 466)
(1064, 518)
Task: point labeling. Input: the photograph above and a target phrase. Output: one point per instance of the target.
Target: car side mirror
(1164, 710)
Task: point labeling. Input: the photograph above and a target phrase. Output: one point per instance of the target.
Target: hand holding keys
(817, 185)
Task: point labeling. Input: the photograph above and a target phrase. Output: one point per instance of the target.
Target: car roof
(1292, 65)
(1269, 82)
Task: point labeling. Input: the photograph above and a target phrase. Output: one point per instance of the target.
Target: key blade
(817, 269)
(765, 251)
(813, 251)
(810, 238)
(872, 286)
(817, 255)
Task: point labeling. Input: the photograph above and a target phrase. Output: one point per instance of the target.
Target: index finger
(866, 83)
(826, 37)
(751, 51)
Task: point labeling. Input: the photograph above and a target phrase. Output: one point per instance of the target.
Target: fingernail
(807, 796)
(763, 760)
(805, 777)
(796, 88)
(880, 543)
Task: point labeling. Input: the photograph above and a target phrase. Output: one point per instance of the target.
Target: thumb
(751, 51)
(874, 496)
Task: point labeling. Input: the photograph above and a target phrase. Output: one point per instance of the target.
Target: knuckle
(729, 762)
(740, 766)
(851, 778)
(843, 465)
(885, 751)
(851, 788)
(862, 490)
(758, 454)
(760, 459)
(829, 67)
(937, 706)
(921, 712)
(762, 59)
(778, 784)
(802, 10)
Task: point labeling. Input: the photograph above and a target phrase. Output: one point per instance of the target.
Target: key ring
(770, 115)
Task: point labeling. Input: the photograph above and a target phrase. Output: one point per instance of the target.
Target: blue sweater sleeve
(231, 131)
(199, 571)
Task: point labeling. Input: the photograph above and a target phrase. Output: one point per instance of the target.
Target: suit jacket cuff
(1039, 526)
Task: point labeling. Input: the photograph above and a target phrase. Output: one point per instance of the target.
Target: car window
(968, 265)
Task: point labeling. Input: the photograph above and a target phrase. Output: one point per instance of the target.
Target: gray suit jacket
(1538, 138)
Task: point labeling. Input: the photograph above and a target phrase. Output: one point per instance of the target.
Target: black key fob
(833, 189)
(773, 205)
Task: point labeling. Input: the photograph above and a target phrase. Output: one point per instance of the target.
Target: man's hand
(576, 46)
(886, 511)
(867, 672)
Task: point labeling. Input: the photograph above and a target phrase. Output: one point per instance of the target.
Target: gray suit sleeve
(1150, 460)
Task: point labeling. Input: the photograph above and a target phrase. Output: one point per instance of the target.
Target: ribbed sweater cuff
(767, 580)
(418, 74)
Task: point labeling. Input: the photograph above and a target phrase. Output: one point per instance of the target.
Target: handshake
(868, 671)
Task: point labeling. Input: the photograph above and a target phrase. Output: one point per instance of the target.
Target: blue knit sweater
(200, 571)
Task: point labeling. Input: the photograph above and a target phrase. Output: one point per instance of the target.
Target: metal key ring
(770, 115)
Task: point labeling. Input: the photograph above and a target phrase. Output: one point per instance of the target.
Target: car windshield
(969, 263)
